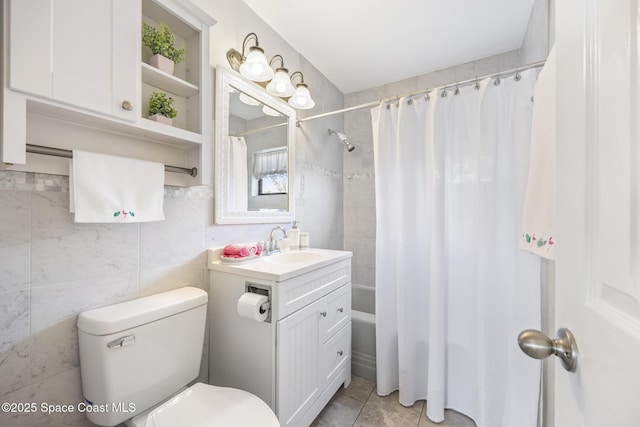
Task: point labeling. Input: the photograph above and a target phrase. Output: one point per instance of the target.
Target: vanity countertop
(278, 267)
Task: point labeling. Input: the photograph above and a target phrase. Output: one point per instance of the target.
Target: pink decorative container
(161, 119)
(162, 63)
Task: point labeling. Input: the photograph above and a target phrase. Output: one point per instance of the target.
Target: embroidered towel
(539, 218)
(107, 189)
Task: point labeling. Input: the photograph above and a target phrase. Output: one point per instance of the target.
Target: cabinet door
(83, 53)
(298, 363)
(94, 54)
(30, 46)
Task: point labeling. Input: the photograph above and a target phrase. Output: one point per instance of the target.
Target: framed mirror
(254, 143)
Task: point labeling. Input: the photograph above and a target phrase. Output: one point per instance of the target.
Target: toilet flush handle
(122, 341)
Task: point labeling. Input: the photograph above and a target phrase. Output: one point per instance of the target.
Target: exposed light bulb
(280, 87)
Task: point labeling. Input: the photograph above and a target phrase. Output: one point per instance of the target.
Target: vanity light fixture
(281, 84)
(301, 99)
(254, 66)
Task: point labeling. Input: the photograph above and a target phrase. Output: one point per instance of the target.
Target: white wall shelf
(162, 80)
(144, 129)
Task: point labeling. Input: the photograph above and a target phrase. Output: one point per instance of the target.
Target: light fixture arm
(246, 40)
(275, 57)
(300, 74)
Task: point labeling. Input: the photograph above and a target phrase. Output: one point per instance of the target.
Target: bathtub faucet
(272, 247)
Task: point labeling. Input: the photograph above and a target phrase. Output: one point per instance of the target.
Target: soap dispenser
(294, 237)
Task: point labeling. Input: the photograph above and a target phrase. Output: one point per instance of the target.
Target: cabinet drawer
(338, 312)
(295, 293)
(336, 354)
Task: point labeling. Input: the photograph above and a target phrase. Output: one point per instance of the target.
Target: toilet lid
(203, 405)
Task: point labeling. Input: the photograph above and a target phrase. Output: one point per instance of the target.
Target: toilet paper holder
(262, 290)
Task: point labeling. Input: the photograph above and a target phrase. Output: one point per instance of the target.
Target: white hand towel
(539, 218)
(110, 189)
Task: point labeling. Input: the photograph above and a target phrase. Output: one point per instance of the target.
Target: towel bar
(59, 152)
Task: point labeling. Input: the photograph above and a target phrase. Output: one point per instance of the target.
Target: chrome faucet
(272, 247)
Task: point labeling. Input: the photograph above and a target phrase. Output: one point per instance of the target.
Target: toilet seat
(203, 405)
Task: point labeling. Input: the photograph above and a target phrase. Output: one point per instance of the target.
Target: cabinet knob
(340, 352)
(127, 105)
(340, 310)
(323, 313)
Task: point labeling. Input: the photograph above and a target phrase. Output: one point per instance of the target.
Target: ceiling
(360, 44)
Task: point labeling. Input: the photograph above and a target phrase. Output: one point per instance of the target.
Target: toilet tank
(135, 354)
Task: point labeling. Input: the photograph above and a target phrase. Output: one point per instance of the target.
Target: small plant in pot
(161, 109)
(162, 44)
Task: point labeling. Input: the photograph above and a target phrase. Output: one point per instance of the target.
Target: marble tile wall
(51, 269)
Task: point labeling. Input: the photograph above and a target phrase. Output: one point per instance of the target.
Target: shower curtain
(238, 182)
(453, 290)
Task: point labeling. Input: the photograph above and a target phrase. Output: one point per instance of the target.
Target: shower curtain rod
(249, 132)
(428, 90)
(397, 97)
(59, 152)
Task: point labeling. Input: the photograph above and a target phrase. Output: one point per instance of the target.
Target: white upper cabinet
(83, 63)
(80, 53)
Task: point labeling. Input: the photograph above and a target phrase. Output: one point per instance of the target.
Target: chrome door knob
(539, 346)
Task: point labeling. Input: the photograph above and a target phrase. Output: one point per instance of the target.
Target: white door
(598, 258)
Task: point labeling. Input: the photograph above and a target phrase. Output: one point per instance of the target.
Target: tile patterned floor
(360, 406)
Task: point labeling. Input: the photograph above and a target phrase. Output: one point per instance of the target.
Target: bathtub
(363, 331)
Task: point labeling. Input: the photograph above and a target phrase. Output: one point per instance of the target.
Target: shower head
(343, 139)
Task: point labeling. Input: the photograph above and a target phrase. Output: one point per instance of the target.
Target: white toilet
(137, 357)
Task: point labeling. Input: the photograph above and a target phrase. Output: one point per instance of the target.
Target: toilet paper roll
(249, 306)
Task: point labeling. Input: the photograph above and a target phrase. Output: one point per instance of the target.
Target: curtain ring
(457, 91)
(444, 92)
(409, 101)
(426, 95)
(477, 85)
(517, 77)
(496, 82)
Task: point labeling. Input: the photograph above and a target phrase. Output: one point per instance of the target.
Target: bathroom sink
(281, 266)
(293, 257)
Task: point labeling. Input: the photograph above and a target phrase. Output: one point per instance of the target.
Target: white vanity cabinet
(83, 63)
(299, 358)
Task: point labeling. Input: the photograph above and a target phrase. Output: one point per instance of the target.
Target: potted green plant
(161, 108)
(162, 44)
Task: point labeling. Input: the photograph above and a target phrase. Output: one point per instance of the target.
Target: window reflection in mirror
(270, 173)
